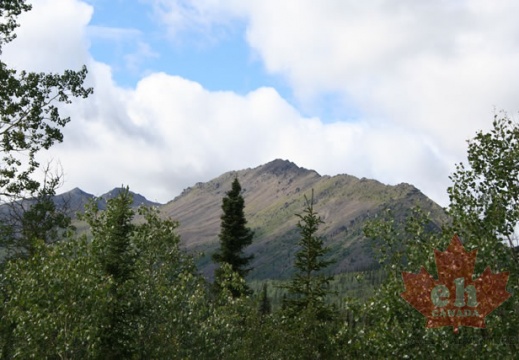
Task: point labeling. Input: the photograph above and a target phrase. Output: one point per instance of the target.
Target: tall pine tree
(116, 253)
(265, 307)
(309, 287)
(234, 236)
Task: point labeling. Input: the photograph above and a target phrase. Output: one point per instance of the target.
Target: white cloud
(433, 70)
(438, 67)
(52, 37)
(423, 76)
(170, 132)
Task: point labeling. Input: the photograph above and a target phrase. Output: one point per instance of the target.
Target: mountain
(138, 199)
(74, 201)
(273, 194)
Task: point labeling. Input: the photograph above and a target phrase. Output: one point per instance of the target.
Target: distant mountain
(138, 199)
(74, 201)
(273, 194)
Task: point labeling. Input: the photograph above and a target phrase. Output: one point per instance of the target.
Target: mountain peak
(138, 199)
(281, 167)
(76, 191)
(113, 193)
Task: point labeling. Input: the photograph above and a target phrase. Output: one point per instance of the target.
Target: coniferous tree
(234, 235)
(309, 288)
(265, 305)
(116, 253)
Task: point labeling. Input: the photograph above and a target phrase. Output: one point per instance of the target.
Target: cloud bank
(421, 77)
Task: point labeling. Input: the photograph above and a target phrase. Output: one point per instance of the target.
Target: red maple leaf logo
(455, 299)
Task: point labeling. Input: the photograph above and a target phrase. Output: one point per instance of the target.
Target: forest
(127, 290)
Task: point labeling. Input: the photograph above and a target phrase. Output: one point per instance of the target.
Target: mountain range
(273, 194)
(75, 200)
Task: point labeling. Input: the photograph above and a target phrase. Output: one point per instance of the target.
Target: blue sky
(220, 60)
(217, 57)
(187, 90)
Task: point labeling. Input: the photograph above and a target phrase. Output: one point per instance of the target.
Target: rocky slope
(273, 194)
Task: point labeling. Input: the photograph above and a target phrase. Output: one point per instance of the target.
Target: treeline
(131, 293)
(357, 285)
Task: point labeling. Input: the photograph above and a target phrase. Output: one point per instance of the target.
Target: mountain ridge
(74, 201)
(273, 194)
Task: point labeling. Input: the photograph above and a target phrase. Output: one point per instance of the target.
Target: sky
(187, 90)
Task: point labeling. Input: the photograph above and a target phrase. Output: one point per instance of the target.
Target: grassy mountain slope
(273, 193)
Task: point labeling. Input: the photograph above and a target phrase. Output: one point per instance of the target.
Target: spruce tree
(234, 235)
(265, 307)
(115, 251)
(309, 287)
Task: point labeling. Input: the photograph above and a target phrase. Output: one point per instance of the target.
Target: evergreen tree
(308, 288)
(234, 235)
(116, 253)
(265, 305)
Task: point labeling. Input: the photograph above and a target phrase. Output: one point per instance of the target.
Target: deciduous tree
(484, 197)
(129, 292)
(29, 118)
(30, 121)
(484, 205)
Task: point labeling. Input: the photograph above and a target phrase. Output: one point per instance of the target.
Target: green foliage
(389, 327)
(115, 251)
(9, 11)
(484, 197)
(111, 232)
(52, 303)
(234, 237)
(129, 293)
(29, 119)
(24, 223)
(29, 122)
(485, 211)
(309, 287)
(43, 220)
(172, 295)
